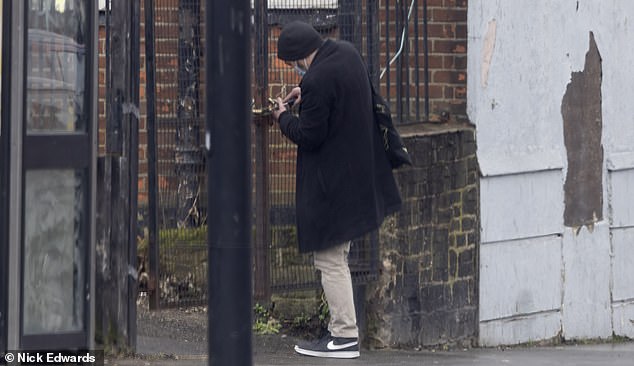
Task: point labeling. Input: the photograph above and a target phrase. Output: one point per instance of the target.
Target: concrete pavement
(178, 338)
(276, 350)
(598, 355)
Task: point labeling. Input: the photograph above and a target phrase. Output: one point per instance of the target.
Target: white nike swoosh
(335, 347)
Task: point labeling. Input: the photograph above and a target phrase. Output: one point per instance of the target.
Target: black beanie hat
(297, 40)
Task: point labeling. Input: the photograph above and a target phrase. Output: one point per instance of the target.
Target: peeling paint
(582, 116)
(487, 52)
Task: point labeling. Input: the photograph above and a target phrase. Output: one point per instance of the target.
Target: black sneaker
(329, 346)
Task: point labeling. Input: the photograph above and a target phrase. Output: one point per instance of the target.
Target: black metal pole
(426, 55)
(262, 275)
(405, 57)
(398, 18)
(152, 151)
(228, 117)
(133, 146)
(373, 40)
(387, 52)
(416, 63)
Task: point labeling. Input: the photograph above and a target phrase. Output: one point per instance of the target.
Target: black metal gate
(276, 252)
(389, 34)
(176, 164)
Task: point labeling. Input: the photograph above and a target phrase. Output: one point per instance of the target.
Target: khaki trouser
(337, 285)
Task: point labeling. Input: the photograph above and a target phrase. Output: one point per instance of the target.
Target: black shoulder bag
(392, 142)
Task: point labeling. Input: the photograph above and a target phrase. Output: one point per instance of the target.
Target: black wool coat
(345, 186)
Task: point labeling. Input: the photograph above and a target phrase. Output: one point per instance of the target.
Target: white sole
(331, 354)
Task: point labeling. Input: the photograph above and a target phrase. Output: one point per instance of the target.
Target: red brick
(435, 91)
(435, 3)
(449, 77)
(449, 15)
(461, 31)
(435, 62)
(456, 3)
(449, 92)
(460, 63)
(101, 107)
(449, 46)
(142, 184)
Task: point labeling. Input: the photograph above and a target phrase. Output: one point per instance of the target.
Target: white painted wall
(540, 279)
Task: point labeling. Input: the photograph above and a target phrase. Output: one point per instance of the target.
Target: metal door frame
(4, 163)
(14, 173)
(78, 152)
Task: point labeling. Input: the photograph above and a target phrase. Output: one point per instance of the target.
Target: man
(345, 185)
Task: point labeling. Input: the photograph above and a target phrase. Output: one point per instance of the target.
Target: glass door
(57, 165)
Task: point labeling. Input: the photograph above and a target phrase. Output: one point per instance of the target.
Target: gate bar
(262, 288)
(133, 153)
(426, 56)
(150, 87)
(227, 139)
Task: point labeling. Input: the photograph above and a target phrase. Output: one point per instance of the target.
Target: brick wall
(447, 45)
(447, 65)
(448, 57)
(427, 292)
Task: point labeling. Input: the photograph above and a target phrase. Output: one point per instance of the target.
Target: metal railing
(391, 36)
(176, 159)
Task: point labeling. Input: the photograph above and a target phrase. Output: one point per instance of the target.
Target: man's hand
(296, 94)
(281, 108)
